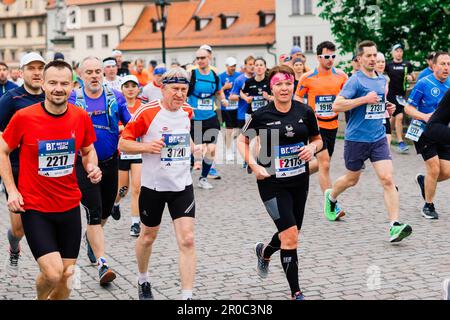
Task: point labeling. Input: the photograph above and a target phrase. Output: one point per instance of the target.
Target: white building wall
(289, 26)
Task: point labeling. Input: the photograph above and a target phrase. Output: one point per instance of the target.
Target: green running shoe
(399, 231)
(329, 207)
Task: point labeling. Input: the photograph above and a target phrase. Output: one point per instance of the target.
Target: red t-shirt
(49, 145)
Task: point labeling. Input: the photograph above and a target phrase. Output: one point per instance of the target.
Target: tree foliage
(421, 25)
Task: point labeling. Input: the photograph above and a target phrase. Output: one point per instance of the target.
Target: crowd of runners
(92, 134)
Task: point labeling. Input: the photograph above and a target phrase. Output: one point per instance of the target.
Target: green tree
(421, 25)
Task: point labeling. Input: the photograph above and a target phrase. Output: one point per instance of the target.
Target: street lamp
(162, 19)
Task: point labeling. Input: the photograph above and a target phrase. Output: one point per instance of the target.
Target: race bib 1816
(56, 157)
(287, 162)
(177, 151)
(324, 106)
(376, 110)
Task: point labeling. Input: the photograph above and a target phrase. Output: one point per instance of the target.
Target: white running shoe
(204, 184)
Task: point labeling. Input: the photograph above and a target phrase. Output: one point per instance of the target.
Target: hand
(94, 173)
(155, 146)
(225, 103)
(227, 86)
(307, 152)
(426, 117)
(372, 98)
(15, 202)
(266, 95)
(409, 78)
(249, 100)
(390, 107)
(260, 172)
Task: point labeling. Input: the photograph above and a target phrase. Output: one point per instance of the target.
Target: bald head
(91, 70)
(202, 56)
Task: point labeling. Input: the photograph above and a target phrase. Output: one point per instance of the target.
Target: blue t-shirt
(106, 143)
(424, 73)
(365, 122)
(8, 85)
(11, 102)
(224, 78)
(427, 93)
(238, 85)
(203, 98)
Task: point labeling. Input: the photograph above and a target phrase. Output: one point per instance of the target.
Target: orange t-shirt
(322, 89)
(143, 77)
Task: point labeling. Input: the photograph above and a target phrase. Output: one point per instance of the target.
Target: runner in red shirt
(50, 135)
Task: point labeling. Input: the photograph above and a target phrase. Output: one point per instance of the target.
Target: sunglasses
(201, 58)
(327, 56)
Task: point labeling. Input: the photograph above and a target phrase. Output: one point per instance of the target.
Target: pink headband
(280, 77)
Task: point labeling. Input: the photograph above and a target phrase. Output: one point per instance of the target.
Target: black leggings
(53, 232)
(285, 204)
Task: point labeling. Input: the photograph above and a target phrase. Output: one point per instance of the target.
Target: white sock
(142, 278)
(393, 222)
(135, 220)
(101, 262)
(331, 198)
(186, 294)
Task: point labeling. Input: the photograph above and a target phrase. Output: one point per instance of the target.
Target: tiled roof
(181, 32)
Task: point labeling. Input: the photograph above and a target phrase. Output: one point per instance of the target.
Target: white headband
(109, 63)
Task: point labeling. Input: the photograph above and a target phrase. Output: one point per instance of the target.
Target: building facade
(22, 29)
(298, 24)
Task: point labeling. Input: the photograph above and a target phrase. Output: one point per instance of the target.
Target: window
(265, 18)
(41, 29)
(28, 29)
(309, 43)
(295, 7)
(227, 21)
(89, 42)
(13, 55)
(105, 41)
(2, 31)
(107, 14)
(308, 7)
(156, 25)
(201, 23)
(91, 14)
(297, 41)
(2, 55)
(14, 30)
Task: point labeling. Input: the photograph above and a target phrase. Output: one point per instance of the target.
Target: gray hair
(176, 73)
(87, 59)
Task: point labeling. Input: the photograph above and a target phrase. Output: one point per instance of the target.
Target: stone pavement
(351, 259)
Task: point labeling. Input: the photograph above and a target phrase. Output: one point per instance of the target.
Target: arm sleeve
(138, 126)
(350, 88)
(246, 88)
(14, 131)
(6, 110)
(89, 131)
(124, 114)
(237, 85)
(250, 129)
(438, 128)
(72, 98)
(302, 90)
(410, 67)
(416, 95)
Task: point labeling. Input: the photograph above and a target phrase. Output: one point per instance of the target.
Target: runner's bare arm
(416, 114)
(342, 104)
(135, 147)
(15, 201)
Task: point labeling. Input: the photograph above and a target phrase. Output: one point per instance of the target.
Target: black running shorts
(125, 165)
(205, 131)
(152, 204)
(230, 119)
(428, 149)
(98, 199)
(328, 139)
(285, 205)
(53, 232)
